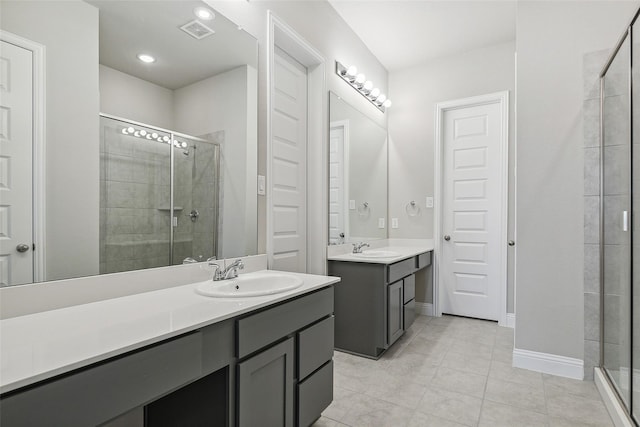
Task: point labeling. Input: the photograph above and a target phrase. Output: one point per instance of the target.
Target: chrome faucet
(357, 247)
(230, 272)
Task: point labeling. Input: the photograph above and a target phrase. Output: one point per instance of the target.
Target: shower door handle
(447, 237)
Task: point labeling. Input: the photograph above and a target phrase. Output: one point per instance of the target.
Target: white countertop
(403, 251)
(38, 346)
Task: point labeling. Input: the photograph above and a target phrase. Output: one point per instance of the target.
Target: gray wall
(415, 92)
(69, 31)
(551, 40)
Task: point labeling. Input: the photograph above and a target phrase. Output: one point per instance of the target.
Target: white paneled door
(16, 145)
(289, 165)
(470, 266)
(338, 184)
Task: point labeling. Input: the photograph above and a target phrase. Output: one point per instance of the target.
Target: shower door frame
(626, 35)
(216, 189)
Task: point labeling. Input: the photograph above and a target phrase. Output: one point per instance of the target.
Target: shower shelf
(175, 208)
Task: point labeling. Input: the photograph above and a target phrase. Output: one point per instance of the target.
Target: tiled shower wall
(135, 194)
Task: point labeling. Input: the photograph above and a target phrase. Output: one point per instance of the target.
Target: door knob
(512, 243)
(447, 237)
(22, 247)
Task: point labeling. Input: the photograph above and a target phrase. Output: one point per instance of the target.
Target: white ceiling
(131, 27)
(404, 33)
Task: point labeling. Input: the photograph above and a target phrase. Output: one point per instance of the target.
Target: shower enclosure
(159, 200)
(619, 256)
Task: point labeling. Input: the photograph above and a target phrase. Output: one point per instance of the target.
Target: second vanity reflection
(357, 175)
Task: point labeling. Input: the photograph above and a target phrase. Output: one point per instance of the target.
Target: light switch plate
(429, 202)
(352, 205)
(394, 222)
(261, 185)
(380, 222)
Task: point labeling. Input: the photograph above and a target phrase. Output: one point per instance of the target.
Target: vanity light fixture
(146, 58)
(360, 83)
(153, 136)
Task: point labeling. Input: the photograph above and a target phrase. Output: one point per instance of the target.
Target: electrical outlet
(394, 222)
(380, 222)
(352, 205)
(429, 202)
(261, 185)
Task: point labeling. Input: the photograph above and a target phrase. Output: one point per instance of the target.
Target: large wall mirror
(357, 175)
(132, 145)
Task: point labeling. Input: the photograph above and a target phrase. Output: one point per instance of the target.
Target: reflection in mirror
(148, 163)
(357, 175)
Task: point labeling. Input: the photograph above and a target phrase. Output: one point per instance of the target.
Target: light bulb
(374, 93)
(136, 133)
(165, 138)
(387, 103)
(154, 135)
(368, 85)
(183, 145)
(149, 136)
(352, 71)
(143, 132)
(380, 100)
(124, 130)
(130, 129)
(204, 13)
(147, 59)
(360, 78)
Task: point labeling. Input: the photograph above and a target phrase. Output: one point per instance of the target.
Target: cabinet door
(395, 310)
(266, 388)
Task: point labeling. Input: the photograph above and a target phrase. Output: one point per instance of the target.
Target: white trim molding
(501, 98)
(511, 320)
(548, 363)
(286, 38)
(39, 149)
(424, 308)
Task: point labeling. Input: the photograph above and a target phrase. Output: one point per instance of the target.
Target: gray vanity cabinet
(395, 309)
(285, 371)
(266, 387)
(374, 303)
(269, 367)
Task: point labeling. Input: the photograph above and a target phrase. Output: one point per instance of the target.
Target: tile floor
(452, 371)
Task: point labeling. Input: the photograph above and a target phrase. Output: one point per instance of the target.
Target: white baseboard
(424, 308)
(617, 413)
(549, 363)
(511, 320)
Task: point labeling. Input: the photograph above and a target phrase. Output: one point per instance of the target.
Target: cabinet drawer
(409, 288)
(99, 393)
(423, 260)
(259, 330)
(409, 314)
(400, 269)
(315, 395)
(315, 347)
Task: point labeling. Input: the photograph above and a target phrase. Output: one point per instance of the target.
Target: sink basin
(377, 254)
(249, 285)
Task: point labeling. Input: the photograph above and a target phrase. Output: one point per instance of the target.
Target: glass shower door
(196, 177)
(616, 223)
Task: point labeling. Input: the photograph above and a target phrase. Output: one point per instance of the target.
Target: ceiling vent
(197, 29)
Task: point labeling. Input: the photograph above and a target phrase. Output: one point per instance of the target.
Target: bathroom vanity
(375, 303)
(172, 357)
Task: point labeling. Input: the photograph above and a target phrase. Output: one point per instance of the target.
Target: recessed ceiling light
(204, 13)
(146, 58)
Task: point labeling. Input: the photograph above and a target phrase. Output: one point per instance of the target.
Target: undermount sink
(249, 285)
(377, 254)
